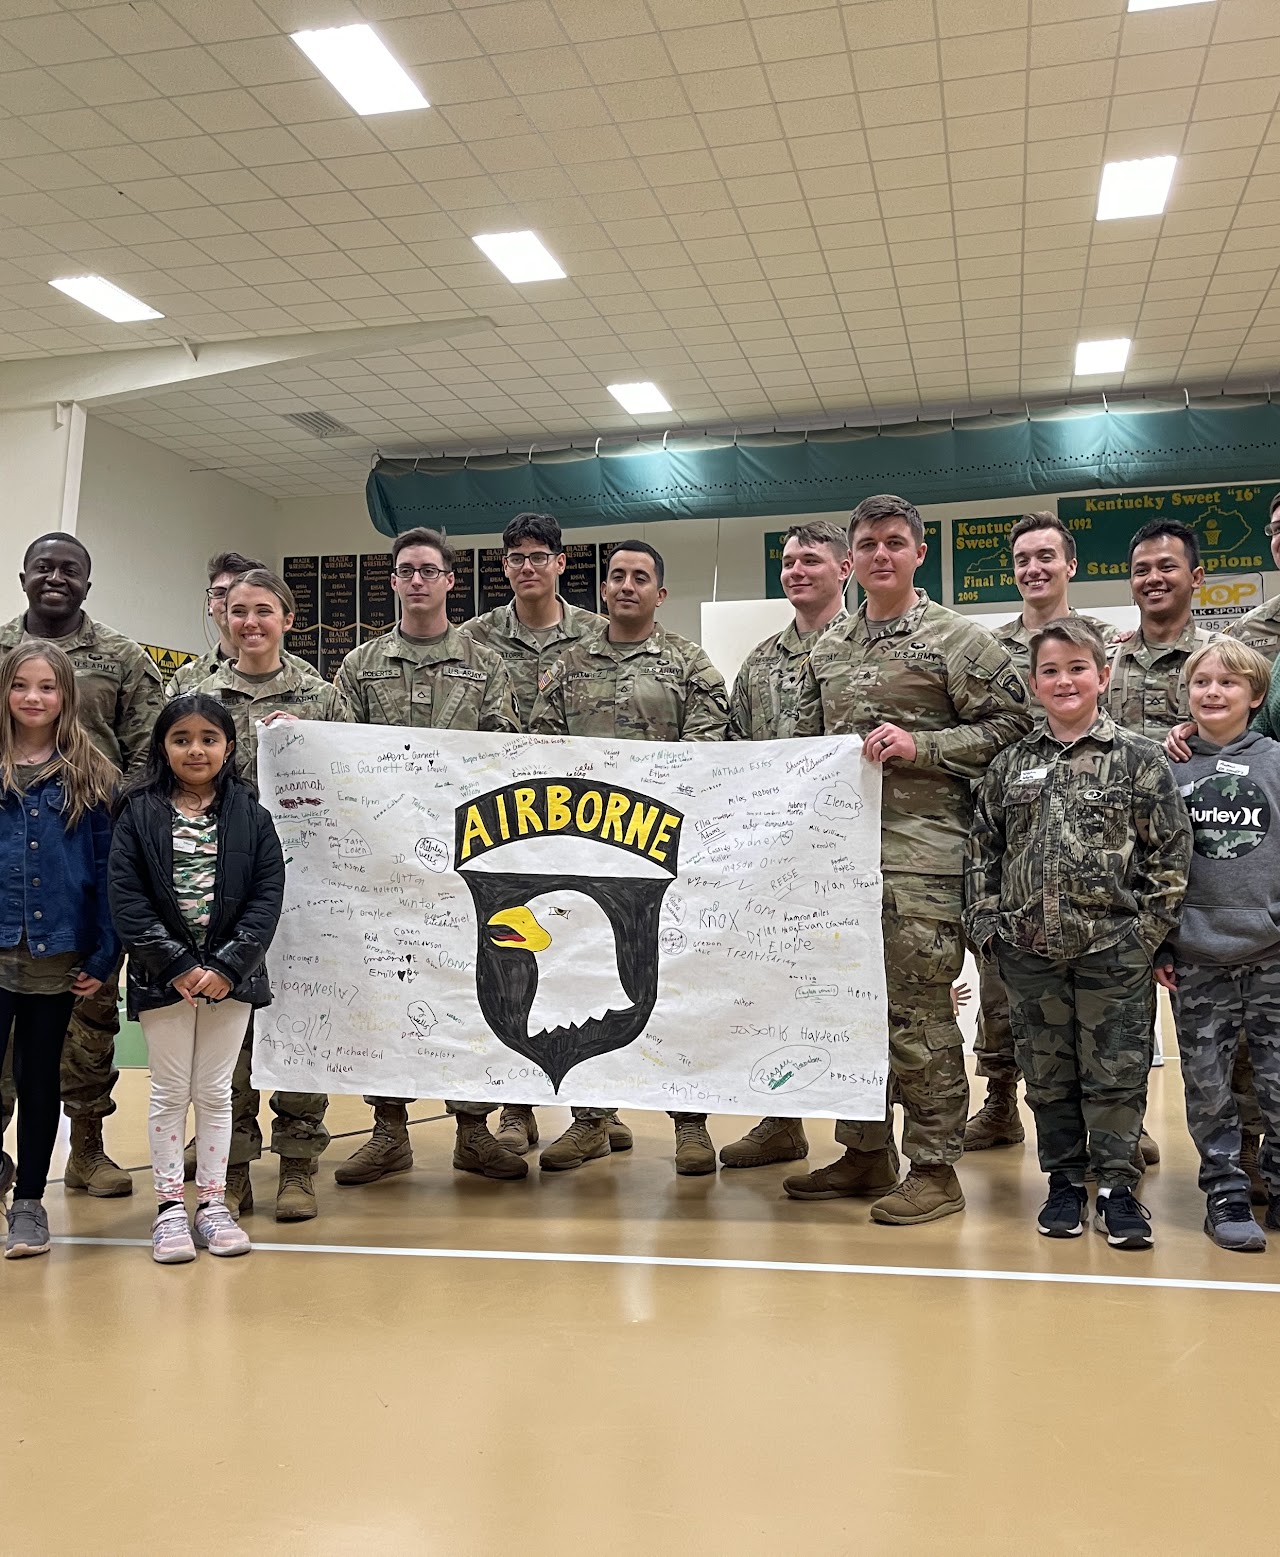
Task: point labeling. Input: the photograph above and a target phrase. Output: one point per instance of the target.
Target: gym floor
(619, 1361)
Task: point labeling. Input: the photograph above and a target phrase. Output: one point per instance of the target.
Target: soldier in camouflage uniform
(1147, 691)
(425, 674)
(530, 633)
(1222, 962)
(634, 681)
(1077, 868)
(1260, 628)
(815, 571)
(120, 696)
(934, 697)
(1044, 563)
(259, 686)
(224, 568)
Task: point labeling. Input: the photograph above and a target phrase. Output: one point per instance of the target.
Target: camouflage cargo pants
(1211, 1006)
(923, 956)
(298, 1128)
(88, 1057)
(993, 1047)
(1083, 1031)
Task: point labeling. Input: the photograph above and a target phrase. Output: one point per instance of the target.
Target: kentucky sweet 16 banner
(531, 919)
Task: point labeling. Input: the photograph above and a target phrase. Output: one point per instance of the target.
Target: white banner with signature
(598, 922)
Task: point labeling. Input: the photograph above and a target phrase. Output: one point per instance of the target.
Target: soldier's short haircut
(649, 551)
(424, 537)
(543, 528)
(1175, 530)
(1275, 503)
(1071, 630)
(871, 510)
(1044, 520)
(234, 562)
(1236, 657)
(820, 532)
(58, 535)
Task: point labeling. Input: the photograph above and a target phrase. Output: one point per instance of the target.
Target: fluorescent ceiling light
(1135, 188)
(1160, 5)
(520, 256)
(98, 293)
(362, 68)
(639, 399)
(1101, 357)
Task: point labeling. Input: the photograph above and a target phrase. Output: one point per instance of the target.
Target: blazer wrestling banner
(534, 919)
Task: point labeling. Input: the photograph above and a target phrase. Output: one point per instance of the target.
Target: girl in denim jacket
(56, 937)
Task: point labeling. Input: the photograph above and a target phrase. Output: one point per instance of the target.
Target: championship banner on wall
(534, 919)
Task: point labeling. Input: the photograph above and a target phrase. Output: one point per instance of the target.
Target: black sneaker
(1124, 1219)
(1061, 1214)
(7, 1174)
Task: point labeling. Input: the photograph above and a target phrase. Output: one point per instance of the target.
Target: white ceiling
(780, 210)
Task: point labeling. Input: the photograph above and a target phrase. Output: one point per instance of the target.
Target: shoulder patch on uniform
(1012, 683)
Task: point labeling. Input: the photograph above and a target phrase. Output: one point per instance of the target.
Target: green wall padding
(1223, 439)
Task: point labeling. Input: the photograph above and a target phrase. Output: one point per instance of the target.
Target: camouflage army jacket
(120, 688)
(1148, 693)
(661, 689)
(1016, 637)
(302, 693)
(189, 675)
(1075, 847)
(453, 683)
(1260, 628)
(946, 681)
(527, 660)
(767, 687)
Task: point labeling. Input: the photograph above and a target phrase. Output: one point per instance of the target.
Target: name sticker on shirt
(184, 845)
(1238, 768)
(1032, 775)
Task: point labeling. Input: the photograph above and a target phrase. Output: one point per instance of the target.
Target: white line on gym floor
(800, 1267)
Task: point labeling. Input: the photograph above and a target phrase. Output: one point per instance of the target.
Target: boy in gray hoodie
(1222, 963)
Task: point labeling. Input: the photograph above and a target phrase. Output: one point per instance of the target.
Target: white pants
(192, 1051)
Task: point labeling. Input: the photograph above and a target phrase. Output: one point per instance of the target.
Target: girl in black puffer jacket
(196, 886)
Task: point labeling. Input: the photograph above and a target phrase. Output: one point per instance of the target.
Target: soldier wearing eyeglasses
(531, 633)
(425, 673)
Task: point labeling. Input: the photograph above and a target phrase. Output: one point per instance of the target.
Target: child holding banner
(1077, 868)
(197, 883)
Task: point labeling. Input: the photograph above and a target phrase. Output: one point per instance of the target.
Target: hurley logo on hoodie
(1230, 815)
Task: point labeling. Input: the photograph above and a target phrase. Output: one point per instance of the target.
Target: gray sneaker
(28, 1230)
(1229, 1222)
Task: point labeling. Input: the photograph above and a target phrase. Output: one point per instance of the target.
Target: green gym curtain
(1229, 438)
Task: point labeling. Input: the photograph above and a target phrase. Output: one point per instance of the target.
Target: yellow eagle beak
(517, 927)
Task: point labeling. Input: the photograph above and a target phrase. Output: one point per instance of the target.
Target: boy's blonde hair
(1236, 657)
(1073, 630)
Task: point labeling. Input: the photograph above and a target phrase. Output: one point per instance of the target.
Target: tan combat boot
(476, 1151)
(387, 1150)
(772, 1140)
(997, 1122)
(1149, 1148)
(620, 1136)
(517, 1129)
(694, 1151)
(239, 1196)
(89, 1167)
(1258, 1193)
(927, 1193)
(296, 1194)
(855, 1174)
(583, 1141)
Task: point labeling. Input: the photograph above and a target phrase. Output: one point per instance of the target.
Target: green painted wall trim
(1223, 439)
